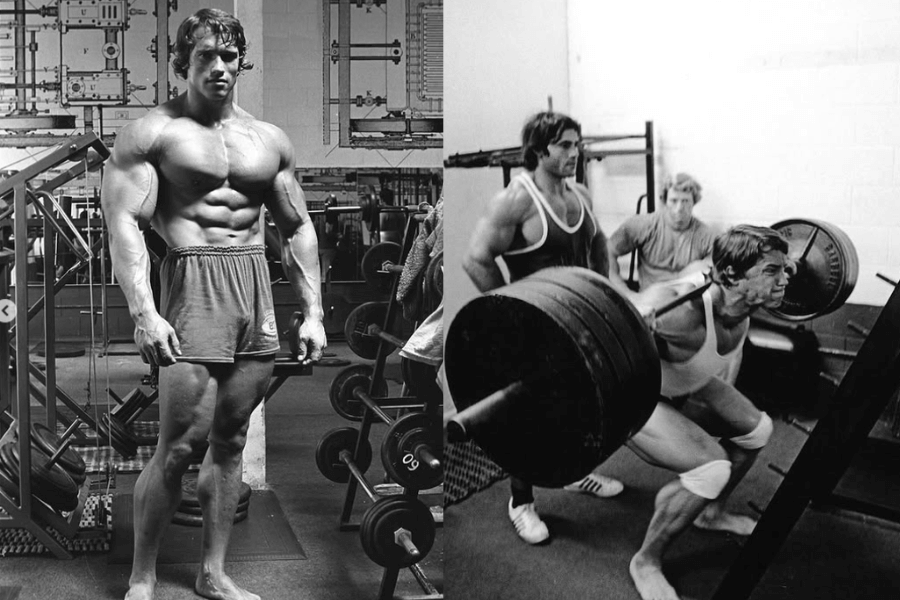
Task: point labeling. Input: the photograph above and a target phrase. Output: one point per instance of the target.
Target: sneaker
(527, 523)
(597, 485)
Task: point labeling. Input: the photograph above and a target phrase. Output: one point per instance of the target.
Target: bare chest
(198, 159)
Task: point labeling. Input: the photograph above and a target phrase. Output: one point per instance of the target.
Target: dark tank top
(561, 245)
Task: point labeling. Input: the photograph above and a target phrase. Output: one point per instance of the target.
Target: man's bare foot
(140, 591)
(221, 588)
(649, 580)
(720, 520)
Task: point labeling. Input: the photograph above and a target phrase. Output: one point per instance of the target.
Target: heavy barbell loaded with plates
(553, 373)
(341, 391)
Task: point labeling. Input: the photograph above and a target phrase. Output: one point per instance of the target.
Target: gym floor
(296, 418)
(829, 554)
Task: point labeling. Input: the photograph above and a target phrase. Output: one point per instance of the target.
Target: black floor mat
(264, 535)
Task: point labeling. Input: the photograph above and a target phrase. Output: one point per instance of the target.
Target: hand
(157, 342)
(310, 341)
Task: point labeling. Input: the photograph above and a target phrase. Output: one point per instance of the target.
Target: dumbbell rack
(27, 512)
(872, 379)
(391, 574)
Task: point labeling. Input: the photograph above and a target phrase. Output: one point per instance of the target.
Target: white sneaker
(527, 523)
(597, 485)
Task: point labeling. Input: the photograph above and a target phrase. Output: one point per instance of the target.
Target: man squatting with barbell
(199, 169)
(697, 340)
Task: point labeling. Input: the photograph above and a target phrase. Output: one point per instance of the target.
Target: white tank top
(680, 378)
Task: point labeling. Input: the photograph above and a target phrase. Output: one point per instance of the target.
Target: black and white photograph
(671, 321)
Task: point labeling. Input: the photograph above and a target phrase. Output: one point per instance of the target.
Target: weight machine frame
(28, 512)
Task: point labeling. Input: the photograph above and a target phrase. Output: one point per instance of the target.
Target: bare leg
(675, 509)
(187, 398)
(241, 389)
(714, 516)
(672, 441)
(723, 411)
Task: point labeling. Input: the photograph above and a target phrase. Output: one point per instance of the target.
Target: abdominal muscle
(224, 217)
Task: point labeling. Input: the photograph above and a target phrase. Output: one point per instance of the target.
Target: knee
(757, 438)
(177, 457)
(228, 443)
(708, 480)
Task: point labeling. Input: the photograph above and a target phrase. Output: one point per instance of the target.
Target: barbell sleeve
(465, 423)
(425, 455)
(403, 537)
(885, 278)
(59, 452)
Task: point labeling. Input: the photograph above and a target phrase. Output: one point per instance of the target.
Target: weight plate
(356, 329)
(632, 338)
(122, 440)
(381, 522)
(826, 272)
(48, 443)
(498, 339)
(398, 450)
(341, 391)
(372, 262)
(51, 484)
(189, 492)
(180, 518)
(329, 449)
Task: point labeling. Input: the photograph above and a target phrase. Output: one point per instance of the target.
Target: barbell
(553, 373)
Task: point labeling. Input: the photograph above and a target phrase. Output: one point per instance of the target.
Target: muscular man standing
(540, 220)
(199, 169)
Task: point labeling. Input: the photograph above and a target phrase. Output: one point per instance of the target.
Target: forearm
(131, 265)
(300, 259)
(485, 274)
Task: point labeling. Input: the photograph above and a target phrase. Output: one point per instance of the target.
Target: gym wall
(493, 85)
(779, 108)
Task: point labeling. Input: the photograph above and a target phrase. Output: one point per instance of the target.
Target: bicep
(130, 186)
(287, 203)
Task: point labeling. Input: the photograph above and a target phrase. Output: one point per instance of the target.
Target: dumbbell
(397, 531)
(363, 332)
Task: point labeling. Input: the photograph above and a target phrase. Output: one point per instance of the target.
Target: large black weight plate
(329, 449)
(180, 518)
(372, 262)
(341, 391)
(384, 518)
(189, 492)
(498, 339)
(51, 485)
(398, 450)
(357, 326)
(48, 443)
(826, 273)
(630, 340)
(613, 367)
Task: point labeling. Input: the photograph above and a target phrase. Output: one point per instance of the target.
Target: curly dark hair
(225, 26)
